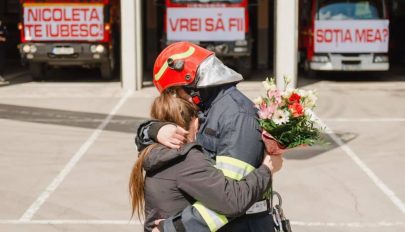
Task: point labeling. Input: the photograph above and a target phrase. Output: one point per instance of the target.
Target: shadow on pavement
(118, 123)
(303, 153)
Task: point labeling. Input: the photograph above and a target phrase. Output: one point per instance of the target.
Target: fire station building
(280, 35)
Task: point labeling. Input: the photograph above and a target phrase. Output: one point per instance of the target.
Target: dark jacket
(175, 179)
(228, 130)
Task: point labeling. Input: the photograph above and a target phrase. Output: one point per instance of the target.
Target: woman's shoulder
(161, 156)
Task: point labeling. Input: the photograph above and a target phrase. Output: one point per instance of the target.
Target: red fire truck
(344, 35)
(218, 25)
(56, 33)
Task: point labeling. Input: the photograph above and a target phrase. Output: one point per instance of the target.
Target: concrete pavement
(67, 150)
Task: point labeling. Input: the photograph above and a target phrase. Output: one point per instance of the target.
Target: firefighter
(3, 39)
(229, 131)
(174, 176)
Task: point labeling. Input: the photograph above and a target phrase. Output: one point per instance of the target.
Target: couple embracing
(207, 168)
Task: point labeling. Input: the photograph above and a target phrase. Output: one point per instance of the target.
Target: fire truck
(344, 35)
(221, 26)
(60, 33)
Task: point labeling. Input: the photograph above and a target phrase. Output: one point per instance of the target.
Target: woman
(178, 178)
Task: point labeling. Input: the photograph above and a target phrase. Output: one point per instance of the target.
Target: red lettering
(183, 24)
(76, 15)
(74, 30)
(32, 15)
(385, 32)
(28, 30)
(66, 16)
(328, 32)
(195, 24)
(57, 15)
(84, 31)
(94, 15)
(173, 27)
(319, 36)
(348, 36)
(378, 37)
(46, 15)
(360, 35)
(209, 24)
(93, 30)
(233, 22)
(85, 11)
(53, 30)
(64, 30)
(370, 38)
(37, 30)
(220, 25)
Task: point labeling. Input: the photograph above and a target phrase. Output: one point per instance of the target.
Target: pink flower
(274, 96)
(266, 112)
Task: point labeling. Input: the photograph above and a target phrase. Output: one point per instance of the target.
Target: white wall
(131, 44)
(286, 41)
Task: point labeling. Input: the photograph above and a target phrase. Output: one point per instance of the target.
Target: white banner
(206, 24)
(63, 22)
(348, 36)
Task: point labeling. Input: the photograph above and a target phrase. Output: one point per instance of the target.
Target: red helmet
(177, 65)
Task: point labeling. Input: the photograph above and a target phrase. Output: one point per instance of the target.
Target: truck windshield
(205, 1)
(350, 9)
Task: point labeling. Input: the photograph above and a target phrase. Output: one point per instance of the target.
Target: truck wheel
(107, 68)
(244, 67)
(37, 70)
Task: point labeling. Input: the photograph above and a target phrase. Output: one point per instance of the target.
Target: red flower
(294, 98)
(296, 109)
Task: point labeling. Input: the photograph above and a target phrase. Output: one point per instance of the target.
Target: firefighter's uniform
(229, 131)
(175, 178)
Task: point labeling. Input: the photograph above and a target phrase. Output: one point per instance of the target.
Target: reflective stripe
(213, 219)
(178, 56)
(233, 168)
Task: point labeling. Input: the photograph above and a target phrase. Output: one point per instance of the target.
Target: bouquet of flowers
(285, 116)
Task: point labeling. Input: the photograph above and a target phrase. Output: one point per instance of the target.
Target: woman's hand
(172, 136)
(273, 162)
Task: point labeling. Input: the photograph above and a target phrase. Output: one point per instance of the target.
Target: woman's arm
(208, 185)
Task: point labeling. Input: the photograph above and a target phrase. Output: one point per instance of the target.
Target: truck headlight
(33, 49)
(240, 49)
(241, 43)
(100, 48)
(93, 48)
(320, 59)
(380, 59)
(26, 48)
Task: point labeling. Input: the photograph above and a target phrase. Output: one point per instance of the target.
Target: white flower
(258, 101)
(287, 93)
(310, 99)
(269, 84)
(280, 117)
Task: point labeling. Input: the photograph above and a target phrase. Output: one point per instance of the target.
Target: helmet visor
(212, 72)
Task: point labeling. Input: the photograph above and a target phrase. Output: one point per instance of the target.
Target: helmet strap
(195, 96)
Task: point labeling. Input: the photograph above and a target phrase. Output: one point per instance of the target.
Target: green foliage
(298, 131)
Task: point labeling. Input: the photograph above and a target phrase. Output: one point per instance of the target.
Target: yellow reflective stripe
(231, 174)
(233, 168)
(178, 56)
(213, 219)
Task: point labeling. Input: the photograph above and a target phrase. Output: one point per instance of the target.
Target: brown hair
(165, 108)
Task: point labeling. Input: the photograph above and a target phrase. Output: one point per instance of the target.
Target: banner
(63, 22)
(206, 24)
(347, 36)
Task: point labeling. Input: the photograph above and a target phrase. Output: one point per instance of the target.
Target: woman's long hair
(165, 108)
